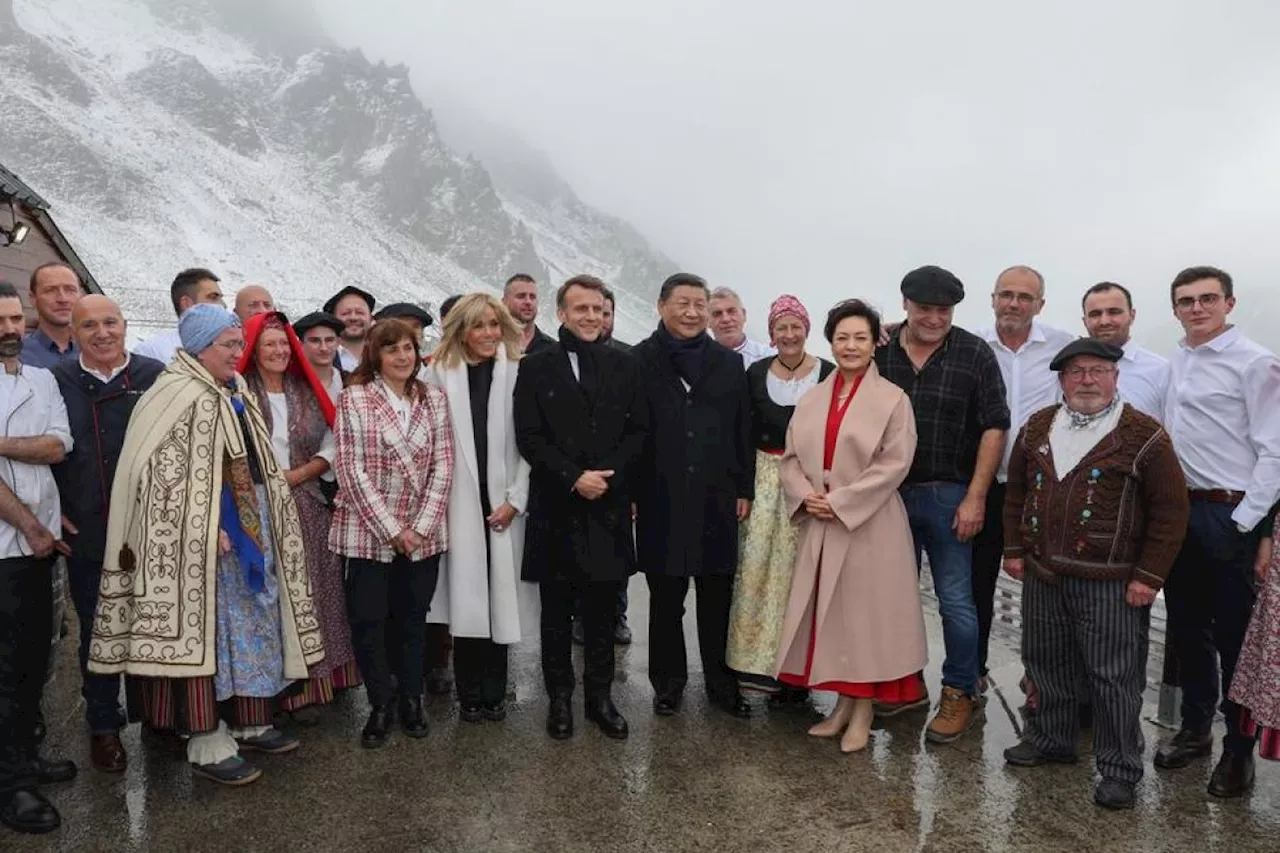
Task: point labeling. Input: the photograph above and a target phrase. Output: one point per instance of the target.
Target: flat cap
(1085, 346)
(932, 285)
(318, 318)
(349, 290)
(404, 310)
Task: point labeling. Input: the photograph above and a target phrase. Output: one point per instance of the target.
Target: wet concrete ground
(699, 781)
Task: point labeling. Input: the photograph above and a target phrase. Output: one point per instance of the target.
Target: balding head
(99, 328)
(252, 300)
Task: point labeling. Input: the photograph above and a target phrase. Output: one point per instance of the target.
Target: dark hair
(448, 303)
(393, 330)
(1192, 274)
(608, 297)
(1103, 287)
(35, 274)
(851, 308)
(589, 282)
(8, 291)
(185, 284)
(682, 279)
(520, 276)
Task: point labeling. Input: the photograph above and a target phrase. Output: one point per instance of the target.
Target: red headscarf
(298, 364)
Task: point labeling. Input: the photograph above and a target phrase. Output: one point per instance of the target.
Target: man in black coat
(695, 486)
(581, 422)
(100, 388)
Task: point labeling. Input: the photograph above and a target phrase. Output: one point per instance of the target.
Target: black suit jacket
(561, 433)
(698, 462)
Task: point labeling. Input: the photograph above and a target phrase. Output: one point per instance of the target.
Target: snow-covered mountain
(229, 134)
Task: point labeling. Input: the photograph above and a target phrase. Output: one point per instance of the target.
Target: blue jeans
(931, 508)
(101, 692)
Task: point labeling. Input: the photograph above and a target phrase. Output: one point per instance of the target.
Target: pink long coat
(870, 626)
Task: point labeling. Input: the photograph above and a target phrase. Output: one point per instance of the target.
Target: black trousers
(400, 590)
(1082, 632)
(668, 662)
(988, 558)
(595, 603)
(101, 692)
(26, 630)
(480, 671)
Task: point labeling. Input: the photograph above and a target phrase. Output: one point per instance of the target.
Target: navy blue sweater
(99, 414)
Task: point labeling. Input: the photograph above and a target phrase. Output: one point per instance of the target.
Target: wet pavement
(701, 781)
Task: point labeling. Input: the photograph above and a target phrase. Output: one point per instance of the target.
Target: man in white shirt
(190, 287)
(1223, 412)
(728, 325)
(33, 435)
(1144, 376)
(319, 333)
(1024, 347)
(354, 307)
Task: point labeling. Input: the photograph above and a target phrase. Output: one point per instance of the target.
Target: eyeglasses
(1013, 296)
(1094, 373)
(1206, 300)
(233, 346)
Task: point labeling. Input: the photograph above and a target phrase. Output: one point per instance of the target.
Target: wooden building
(24, 214)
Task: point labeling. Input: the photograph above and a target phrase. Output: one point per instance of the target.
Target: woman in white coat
(480, 596)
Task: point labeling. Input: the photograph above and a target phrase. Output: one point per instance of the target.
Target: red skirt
(908, 688)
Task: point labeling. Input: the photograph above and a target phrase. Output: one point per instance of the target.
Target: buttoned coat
(698, 461)
(860, 568)
(480, 593)
(562, 434)
(390, 476)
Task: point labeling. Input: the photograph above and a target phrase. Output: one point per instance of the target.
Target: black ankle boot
(378, 728)
(413, 719)
(601, 711)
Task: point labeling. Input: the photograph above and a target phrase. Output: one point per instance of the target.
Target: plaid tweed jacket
(391, 477)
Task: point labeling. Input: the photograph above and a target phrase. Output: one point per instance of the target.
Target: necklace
(792, 370)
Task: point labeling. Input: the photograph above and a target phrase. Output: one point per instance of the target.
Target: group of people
(257, 514)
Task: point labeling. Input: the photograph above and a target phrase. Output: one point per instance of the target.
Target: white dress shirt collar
(105, 377)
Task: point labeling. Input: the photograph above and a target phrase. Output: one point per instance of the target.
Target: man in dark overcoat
(581, 422)
(696, 484)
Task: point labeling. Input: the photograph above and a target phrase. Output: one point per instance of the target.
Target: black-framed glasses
(1206, 300)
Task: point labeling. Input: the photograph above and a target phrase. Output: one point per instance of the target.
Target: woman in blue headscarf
(204, 596)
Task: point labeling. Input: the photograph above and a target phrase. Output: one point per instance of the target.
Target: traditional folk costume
(211, 637)
(767, 546)
(300, 421)
(854, 624)
(1256, 686)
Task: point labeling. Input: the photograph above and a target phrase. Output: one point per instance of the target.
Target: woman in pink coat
(854, 623)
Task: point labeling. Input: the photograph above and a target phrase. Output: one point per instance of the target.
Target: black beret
(349, 290)
(404, 310)
(932, 286)
(1085, 346)
(318, 318)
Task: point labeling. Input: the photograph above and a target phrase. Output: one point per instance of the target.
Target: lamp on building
(18, 232)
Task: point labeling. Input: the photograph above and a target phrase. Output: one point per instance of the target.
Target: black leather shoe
(1181, 749)
(1233, 777)
(49, 772)
(605, 714)
(560, 719)
(28, 811)
(1027, 754)
(1114, 794)
(666, 705)
(377, 729)
(495, 713)
(471, 712)
(413, 719)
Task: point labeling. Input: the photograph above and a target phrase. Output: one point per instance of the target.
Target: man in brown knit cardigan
(1095, 512)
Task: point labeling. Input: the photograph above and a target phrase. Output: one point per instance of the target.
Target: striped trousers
(1077, 631)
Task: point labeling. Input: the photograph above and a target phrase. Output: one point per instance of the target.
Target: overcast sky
(824, 148)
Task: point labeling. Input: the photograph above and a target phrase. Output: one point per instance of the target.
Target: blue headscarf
(201, 324)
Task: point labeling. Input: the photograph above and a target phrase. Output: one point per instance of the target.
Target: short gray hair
(726, 293)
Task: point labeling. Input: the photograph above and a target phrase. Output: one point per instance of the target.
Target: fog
(824, 148)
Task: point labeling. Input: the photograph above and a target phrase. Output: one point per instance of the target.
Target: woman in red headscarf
(768, 538)
(299, 415)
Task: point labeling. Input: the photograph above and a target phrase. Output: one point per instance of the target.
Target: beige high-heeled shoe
(834, 724)
(859, 731)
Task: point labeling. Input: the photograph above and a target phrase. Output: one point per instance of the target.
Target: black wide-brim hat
(1085, 346)
(316, 319)
(405, 310)
(349, 290)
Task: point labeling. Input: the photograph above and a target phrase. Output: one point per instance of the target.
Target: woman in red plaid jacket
(394, 465)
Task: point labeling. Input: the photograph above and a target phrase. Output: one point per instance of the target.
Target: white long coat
(472, 599)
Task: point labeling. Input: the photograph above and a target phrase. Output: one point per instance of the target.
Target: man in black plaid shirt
(955, 386)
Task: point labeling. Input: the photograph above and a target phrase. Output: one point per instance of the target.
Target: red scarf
(298, 364)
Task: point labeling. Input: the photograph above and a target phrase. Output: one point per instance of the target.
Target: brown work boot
(956, 713)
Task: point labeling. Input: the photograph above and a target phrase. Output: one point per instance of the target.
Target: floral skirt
(1256, 683)
(766, 557)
